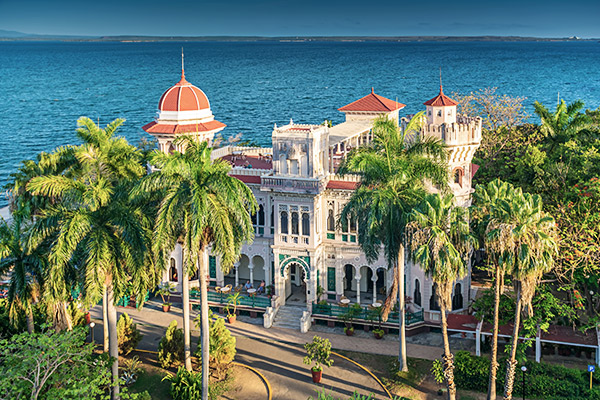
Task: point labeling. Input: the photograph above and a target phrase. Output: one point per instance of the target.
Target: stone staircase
(288, 317)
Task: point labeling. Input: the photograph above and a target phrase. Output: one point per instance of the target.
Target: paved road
(281, 363)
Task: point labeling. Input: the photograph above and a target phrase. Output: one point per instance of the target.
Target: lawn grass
(150, 379)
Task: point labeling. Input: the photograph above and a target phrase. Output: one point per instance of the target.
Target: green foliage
(130, 370)
(185, 385)
(233, 300)
(188, 385)
(543, 381)
(437, 370)
(222, 347)
(170, 348)
(353, 311)
(128, 334)
(318, 352)
(323, 395)
(165, 289)
(51, 365)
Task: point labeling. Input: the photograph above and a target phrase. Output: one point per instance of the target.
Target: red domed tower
(183, 109)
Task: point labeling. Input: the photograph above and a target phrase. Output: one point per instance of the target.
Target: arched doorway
(295, 284)
(348, 276)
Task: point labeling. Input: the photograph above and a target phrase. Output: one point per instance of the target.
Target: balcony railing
(292, 184)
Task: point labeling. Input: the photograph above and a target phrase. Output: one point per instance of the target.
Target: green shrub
(185, 385)
(222, 347)
(128, 335)
(188, 385)
(170, 348)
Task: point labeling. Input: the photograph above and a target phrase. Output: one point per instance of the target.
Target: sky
(540, 18)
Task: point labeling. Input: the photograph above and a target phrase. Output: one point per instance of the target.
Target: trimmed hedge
(542, 381)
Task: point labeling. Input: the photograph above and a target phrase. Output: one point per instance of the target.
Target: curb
(367, 371)
(267, 384)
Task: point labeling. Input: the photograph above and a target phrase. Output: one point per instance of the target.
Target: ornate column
(357, 278)
(237, 277)
(374, 279)
(251, 268)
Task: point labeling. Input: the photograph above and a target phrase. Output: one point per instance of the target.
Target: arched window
(353, 225)
(457, 299)
(330, 221)
(439, 113)
(253, 218)
(282, 164)
(173, 271)
(284, 222)
(295, 224)
(417, 293)
(261, 215)
(305, 224)
(433, 300)
(458, 176)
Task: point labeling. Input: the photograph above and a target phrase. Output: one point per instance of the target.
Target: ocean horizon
(46, 86)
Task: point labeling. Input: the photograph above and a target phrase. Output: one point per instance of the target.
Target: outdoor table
(345, 301)
(225, 289)
(251, 292)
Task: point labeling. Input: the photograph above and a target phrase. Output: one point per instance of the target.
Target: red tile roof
(441, 100)
(373, 102)
(342, 185)
(183, 97)
(155, 127)
(248, 178)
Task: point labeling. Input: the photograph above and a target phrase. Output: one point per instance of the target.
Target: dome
(183, 97)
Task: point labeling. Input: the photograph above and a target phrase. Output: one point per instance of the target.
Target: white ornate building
(298, 245)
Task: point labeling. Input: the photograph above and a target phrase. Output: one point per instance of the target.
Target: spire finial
(182, 71)
(441, 90)
(372, 90)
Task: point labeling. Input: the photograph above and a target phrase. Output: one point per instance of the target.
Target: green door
(331, 279)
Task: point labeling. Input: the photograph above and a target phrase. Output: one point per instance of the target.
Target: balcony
(291, 184)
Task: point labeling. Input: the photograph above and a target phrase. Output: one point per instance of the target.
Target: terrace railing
(244, 300)
(365, 314)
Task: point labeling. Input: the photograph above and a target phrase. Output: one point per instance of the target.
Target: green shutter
(212, 267)
(331, 279)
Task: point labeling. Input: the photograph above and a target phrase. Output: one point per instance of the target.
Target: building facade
(299, 247)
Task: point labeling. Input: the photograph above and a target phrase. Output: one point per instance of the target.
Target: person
(248, 285)
(261, 288)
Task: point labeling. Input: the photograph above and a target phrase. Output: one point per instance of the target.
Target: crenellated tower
(461, 134)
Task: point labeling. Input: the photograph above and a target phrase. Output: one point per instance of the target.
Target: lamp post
(524, 369)
(92, 325)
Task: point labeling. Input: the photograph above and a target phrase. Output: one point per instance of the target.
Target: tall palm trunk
(113, 342)
(402, 364)
(61, 317)
(205, 334)
(29, 317)
(494, 358)
(512, 362)
(105, 319)
(185, 296)
(448, 357)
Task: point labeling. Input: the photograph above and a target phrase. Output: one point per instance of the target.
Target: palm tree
(94, 225)
(26, 267)
(535, 247)
(496, 236)
(200, 205)
(394, 169)
(565, 123)
(441, 245)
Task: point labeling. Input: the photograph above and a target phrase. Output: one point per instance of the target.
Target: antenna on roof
(182, 72)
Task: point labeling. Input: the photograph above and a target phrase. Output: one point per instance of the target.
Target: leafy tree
(128, 334)
(222, 347)
(534, 237)
(394, 169)
(441, 245)
(200, 205)
(318, 352)
(52, 365)
(92, 223)
(26, 267)
(170, 348)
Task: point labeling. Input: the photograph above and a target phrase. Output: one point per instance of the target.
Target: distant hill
(13, 35)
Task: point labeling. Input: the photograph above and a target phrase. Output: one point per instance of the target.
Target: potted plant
(318, 352)
(349, 316)
(165, 289)
(378, 333)
(320, 292)
(232, 300)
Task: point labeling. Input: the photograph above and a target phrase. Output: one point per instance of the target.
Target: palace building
(299, 247)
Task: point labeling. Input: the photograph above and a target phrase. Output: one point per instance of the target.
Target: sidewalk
(151, 317)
